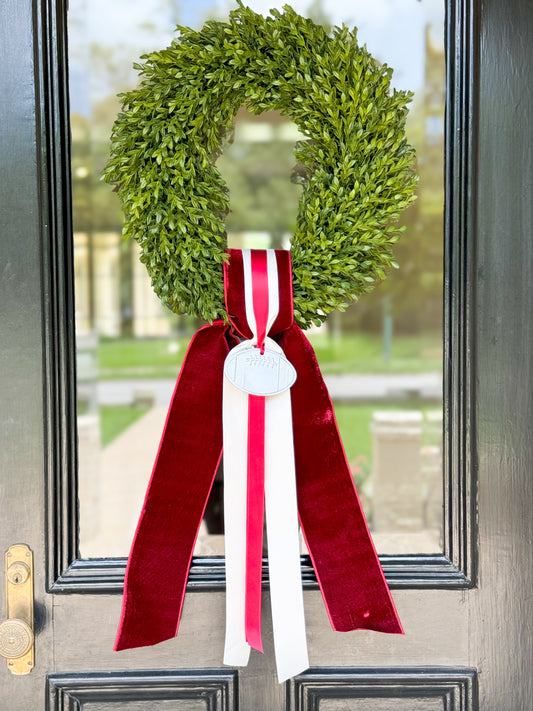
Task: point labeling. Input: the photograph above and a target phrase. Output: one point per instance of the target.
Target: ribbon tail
(182, 477)
(281, 511)
(254, 519)
(235, 426)
(348, 570)
(286, 594)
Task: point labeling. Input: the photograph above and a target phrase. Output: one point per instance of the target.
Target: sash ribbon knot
(283, 460)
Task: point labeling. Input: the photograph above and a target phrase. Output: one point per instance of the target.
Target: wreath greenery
(358, 166)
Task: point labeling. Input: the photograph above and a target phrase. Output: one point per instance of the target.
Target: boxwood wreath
(357, 164)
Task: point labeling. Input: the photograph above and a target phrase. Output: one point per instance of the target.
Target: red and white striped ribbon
(259, 473)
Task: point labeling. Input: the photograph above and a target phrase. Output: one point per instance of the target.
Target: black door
(467, 611)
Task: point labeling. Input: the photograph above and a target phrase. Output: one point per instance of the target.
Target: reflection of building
(100, 304)
(96, 264)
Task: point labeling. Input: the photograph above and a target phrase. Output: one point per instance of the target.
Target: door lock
(17, 631)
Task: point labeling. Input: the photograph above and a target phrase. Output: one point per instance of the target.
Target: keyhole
(18, 573)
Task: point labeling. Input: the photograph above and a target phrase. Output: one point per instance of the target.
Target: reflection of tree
(258, 176)
(414, 291)
(95, 205)
(418, 283)
(317, 13)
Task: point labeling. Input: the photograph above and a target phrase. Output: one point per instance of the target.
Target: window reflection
(381, 358)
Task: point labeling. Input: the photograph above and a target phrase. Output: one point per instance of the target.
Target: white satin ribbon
(281, 512)
(235, 440)
(281, 509)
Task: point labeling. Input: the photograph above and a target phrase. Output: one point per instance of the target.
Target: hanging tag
(256, 373)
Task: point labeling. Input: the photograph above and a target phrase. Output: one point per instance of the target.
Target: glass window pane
(382, 358)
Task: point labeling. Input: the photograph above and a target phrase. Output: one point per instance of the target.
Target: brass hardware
(18, 573)
(16, 639)
(17, 631)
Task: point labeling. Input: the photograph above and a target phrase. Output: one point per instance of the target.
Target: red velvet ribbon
(350, 576)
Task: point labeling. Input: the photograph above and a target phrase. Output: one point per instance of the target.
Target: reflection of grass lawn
(114, 419)
(353, 420)
(361, 353)
(140, 358)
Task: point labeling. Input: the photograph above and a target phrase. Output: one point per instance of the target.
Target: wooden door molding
(215, 688)
(460, 457)
(439, 687)
(455, 567)
(58, 338)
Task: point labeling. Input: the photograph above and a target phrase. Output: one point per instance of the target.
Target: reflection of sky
(393, 31)
(194, 12)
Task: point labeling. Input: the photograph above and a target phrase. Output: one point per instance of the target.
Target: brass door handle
(17, 631)
(16, 639)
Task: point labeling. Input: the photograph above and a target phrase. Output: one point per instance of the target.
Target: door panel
(396, 689)
(461, 642)
(191, 690)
